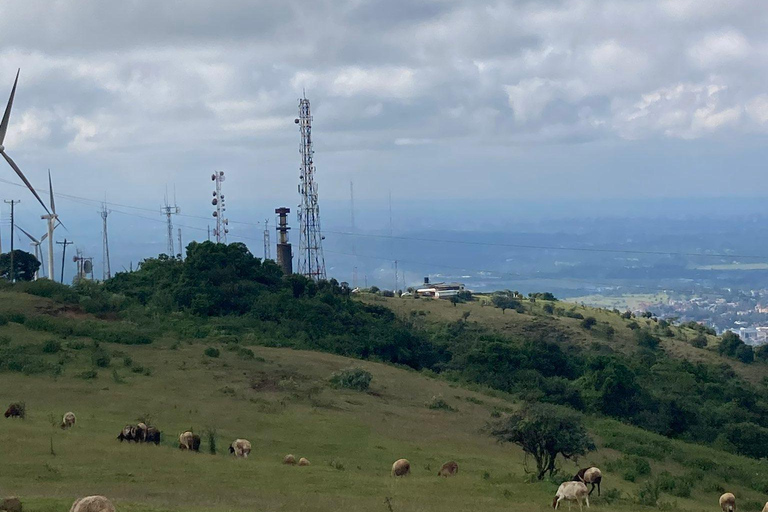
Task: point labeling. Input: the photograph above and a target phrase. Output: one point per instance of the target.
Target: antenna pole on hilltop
(65, 243)
(106, 272)
(311, 261)
(222, 223)
(181, 247)
(12, 272)
(267, 243)
(169, 210)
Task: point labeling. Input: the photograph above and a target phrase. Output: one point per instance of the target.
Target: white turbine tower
(35, 243)
(52, 218)
(3, 130)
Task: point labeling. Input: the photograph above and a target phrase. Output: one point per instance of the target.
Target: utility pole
(267, 243)
(12, 272)
(106, 272)
(395, 290)
(311, 261)
(65, 243)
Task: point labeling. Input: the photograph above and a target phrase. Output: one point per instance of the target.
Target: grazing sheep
(240, 448)
(303, 462)
(152, 435)
(401, 467)
(68, 421)
(728, 502)
(448, 469)
(590, 475)
(14, 411)
(186, 440)
(571, 491)
(765, 508)
(10, 505)
(92, 504)
(141, 432)
(289, 459)
(127, 433)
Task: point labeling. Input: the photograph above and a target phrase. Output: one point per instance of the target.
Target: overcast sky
(464, 100)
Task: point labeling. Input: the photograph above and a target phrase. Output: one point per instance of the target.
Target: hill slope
(280, 400)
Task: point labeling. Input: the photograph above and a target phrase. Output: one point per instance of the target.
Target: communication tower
(222, 223)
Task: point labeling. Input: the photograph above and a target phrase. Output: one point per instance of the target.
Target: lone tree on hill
(504, 302)
(25, 265)
(545, 431)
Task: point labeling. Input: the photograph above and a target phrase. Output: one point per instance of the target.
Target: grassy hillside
(280, 399)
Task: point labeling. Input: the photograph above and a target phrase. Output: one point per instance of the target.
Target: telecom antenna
(222, 223)
(181, 247)
(106, 270)
(267, 243)
(168, 211)
(311, 261)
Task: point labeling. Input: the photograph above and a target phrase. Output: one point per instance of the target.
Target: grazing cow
(68, 421)
(240, 448)
(152, 435)
(571, 491)
(10, 504)
(728, 502)
(401, 467)
(448, 469)
(92, 504)
(590, 475)
(14, 411)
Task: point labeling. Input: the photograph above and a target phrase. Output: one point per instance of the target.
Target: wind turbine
(34, 242)
(3, 130)
(52, 218)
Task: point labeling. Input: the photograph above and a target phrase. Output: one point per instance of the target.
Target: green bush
(588, 322)
(212, 352)
(51, 346)
(76, 345)
(100, 358)
(88, 374)
(676, 486)
(357, 379)
(439, 403)
(649, 493)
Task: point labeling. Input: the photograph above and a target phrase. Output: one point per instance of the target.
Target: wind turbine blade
(7, 115)
(42, 238)
(28, 235)
(24, 179)
(50, 189)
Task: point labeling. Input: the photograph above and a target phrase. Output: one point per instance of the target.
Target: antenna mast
(221, 229)
(106, 271)
(311, 261)
(267, 243)
(169, 210)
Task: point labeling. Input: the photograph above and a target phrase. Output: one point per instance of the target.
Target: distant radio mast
(221, 229)
(169, 210)
(311, 261)
(106, 272)
(267, 243)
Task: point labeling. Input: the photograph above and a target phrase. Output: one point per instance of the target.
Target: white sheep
(571, 491)
(401, 467)
(92, 504)
(240, 448)
(728, 502)
(591, 475)
(68, 420)
(765, 508)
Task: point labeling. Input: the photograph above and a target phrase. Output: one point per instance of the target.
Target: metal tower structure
(181, 247)
(311, 262)
(222, 223)
(284, 254)
(168, 211)
(106, 271)
(267, 243)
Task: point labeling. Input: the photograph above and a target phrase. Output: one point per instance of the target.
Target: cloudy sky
(497, 101)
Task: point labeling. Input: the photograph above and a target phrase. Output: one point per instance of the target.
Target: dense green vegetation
(223, 293)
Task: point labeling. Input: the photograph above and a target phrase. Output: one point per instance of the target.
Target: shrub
(76, 345)
(127, 362)
(51, 346)
(212, 352)
(101, 358)
(439, 403)
(647, 340)
(676, 486)
(699, 341)
(88, 374)
(21, 407)
(649, 493)
(352, 378)
(5, 341)
(588, 322)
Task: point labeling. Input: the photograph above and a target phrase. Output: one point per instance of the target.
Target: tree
(589, 322)
(25, 265)
(545, 431)
(504, 302)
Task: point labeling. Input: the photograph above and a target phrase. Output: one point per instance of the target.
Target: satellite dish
(88, 267)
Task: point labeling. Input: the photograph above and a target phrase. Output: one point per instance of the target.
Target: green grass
(282, 401)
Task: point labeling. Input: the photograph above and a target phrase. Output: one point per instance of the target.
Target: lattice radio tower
(168, 211)
(267, 243)
(222, 223)
(311, 262)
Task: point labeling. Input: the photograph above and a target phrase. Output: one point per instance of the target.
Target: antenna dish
(88, 267)
(214, 202)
